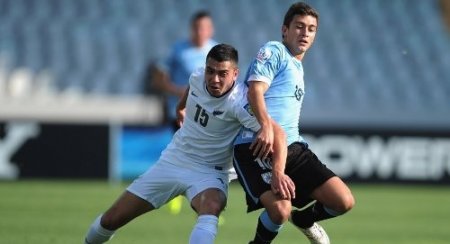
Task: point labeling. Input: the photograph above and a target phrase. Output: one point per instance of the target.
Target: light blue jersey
(277, 67)
(184, 59)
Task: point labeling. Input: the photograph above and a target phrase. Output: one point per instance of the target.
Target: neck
(198, 43)
(297, 55)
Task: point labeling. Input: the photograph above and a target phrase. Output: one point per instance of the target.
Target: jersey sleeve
(266, 63)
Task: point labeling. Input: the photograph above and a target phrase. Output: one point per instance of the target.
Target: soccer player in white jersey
(171, 77)
(276, 89)
(196, 163)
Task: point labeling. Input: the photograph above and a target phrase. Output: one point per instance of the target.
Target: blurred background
(76, 94)
(77, 101)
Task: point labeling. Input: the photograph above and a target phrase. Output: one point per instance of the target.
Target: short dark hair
(223, 52)
(299, 8)
(199, 15)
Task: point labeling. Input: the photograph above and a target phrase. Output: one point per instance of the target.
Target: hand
(283, 185)
(262, 145)
(180, 116)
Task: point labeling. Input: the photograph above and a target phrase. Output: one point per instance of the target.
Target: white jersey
(210, 126)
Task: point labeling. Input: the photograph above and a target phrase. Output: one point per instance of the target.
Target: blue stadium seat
(368, 54)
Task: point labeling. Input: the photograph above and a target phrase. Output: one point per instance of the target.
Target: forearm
(279, 153)
(163, 83)
(173, 89)
(281, 184)
(263, 143)
(182, 102)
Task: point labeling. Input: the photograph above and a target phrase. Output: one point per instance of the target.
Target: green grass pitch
(61, 211)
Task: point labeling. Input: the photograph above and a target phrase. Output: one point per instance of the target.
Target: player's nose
(215, 78)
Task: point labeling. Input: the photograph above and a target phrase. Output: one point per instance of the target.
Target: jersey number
(201, 116)
(264, 164)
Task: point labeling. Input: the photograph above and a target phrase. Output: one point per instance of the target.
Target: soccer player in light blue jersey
(185, 57)
(197, 162)
(276, 90)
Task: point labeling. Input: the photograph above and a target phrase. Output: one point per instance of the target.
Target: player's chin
(216, 92)
(303, 48)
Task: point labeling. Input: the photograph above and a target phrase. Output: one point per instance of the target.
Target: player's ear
(283, 31)
(236, 73)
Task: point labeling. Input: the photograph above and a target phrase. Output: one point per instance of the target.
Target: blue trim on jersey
(245, 135)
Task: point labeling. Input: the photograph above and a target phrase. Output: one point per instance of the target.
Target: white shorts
(164, 181)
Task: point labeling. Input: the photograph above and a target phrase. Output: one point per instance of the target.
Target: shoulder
(197, 77)
(181, 44)
(276, 45)
(269, 50)
(212, 42)
(237, 96)
(239, 90)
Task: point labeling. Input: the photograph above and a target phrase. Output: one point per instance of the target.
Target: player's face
(202, 31)
(300, 34)
(220, 76)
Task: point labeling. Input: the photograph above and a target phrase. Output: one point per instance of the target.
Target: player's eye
(312, 29)
(209, 71)
(223, 73)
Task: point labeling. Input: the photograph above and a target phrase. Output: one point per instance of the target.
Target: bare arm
(181, 107)
(262, 145)
(270, 138)
(162, 82)
(281, 183)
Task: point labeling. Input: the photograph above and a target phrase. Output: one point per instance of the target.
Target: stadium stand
(375, 63)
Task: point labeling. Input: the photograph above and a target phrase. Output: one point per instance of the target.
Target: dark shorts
(302, 166)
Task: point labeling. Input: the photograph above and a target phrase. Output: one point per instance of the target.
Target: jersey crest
(248, 108)
(263, 55)
(267, 177)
